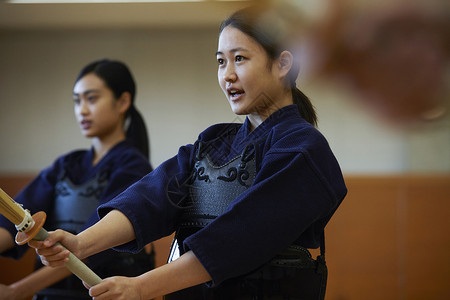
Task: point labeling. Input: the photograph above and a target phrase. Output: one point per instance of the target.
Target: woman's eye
(92, 99)
(76, 101)
(239, 58)
(220, 61)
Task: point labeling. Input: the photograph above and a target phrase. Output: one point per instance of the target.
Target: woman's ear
(124, 102)
(285, 61)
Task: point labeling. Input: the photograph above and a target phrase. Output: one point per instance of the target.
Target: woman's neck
(103, 145)
(256, 118)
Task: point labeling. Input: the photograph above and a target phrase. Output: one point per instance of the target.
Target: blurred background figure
(393, 54)
(70, 190)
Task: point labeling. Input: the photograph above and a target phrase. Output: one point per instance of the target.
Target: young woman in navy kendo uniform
(71, 189)
(245, 199)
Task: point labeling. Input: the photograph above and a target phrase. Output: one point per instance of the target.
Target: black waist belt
(293, 274)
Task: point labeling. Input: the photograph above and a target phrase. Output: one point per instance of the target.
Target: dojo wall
(178, 95)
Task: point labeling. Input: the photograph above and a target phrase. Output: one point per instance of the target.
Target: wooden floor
(390, 239)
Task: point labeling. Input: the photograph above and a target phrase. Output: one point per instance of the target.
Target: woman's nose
(83, 108)
(230, 74)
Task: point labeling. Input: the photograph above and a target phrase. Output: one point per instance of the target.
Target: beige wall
(179, 96)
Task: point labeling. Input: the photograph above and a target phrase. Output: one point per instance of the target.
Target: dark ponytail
(118, 78)
(268, 27)
(137, 132)
(305, 107)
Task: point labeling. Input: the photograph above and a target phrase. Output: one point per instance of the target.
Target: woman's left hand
(118, 287)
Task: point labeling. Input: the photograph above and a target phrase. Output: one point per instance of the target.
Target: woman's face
(96, 108)
(246, 75)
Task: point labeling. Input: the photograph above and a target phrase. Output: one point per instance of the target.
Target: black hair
(118, 78)
(259, 23)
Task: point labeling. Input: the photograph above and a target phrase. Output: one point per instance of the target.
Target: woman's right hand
(51, 252)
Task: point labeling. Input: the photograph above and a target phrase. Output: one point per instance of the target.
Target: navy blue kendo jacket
(297, 188)
(123, 165)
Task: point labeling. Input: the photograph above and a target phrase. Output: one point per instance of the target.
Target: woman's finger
(98, 289)
(58, 249)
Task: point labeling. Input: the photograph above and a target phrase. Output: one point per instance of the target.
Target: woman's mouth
(235, 94)
(85, 125)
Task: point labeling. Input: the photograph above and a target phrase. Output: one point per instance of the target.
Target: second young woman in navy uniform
(71, 189)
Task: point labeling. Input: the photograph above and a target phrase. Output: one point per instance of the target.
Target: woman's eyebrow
(86, 92)
(232, 50)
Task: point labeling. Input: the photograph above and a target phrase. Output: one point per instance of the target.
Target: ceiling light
(94, 1)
